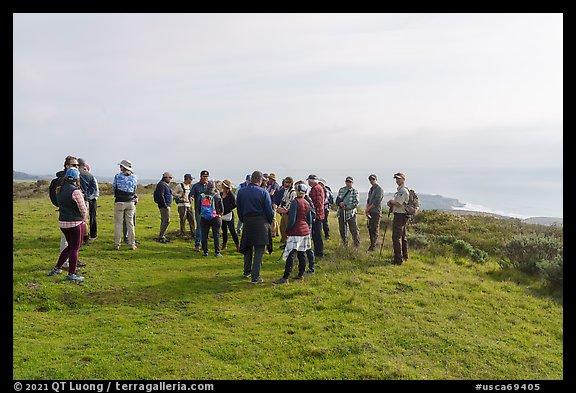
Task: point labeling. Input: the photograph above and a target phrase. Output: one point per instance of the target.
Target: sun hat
(72, 173)
(167, 174)
(288, 179)
(272, 176)
(227, 183)
(188, 176)
(126, 164)
(210, 186)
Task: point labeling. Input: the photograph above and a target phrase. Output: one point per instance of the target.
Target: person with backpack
(163, 198)
(347, 201)
(89, 186)
(72, 220)
(69, 162)
(400, 220)
(182, 198)
(124, 187)
(229, 203)
(288, 194)
(317, 197)
(374, 210)
(211, 209)
(298, 231)
(309, 252)
(328, 201)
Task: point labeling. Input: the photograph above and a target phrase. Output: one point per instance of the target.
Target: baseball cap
(188, 176)
(349, 178)
(372, 176)
(72, 173)
(400, 175)
(312, 177)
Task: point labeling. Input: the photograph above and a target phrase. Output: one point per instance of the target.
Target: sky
(295, 93)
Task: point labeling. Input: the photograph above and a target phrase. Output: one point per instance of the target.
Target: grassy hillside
(165, 312)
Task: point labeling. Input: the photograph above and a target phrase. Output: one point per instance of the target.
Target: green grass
(165, 312)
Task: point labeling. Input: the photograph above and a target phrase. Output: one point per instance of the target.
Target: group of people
(303, 208)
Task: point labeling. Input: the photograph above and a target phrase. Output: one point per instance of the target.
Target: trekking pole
(382, 245)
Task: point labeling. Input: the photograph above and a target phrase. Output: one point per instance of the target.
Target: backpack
(52, 191)
(178, 199)
(413, 203)
(207, 210)
(158, 197)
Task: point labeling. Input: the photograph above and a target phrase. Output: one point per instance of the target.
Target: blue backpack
(207, 210)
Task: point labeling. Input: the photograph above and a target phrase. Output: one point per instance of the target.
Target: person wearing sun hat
(72, 219)
(124, 186)
(229, 203)
(396, 205)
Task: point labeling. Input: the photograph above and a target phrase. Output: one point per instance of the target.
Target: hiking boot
(280, 281)
(246, 275)
(163, 240)
(218, 255)
(371, 248)
(133, 247)
(298, 277)
(223, 246)
(257, 281)
(117, 248)
(54, 272)
(205, 254)
(309, 271)
(197, 249)
(74, 277)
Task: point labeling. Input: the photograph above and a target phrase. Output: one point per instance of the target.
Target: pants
(125, 228)
(310, 257)
(92, 207)
(325, 226)
(283, 225)
(164, 221)
(215, 224)
(374, 228)
(70, 252)
(229, 226)
(290, 263)
(124, 212)
(253, 266)
(186, 214)
(399, 242)
(317, 238)
(350, 224)
(198, 237)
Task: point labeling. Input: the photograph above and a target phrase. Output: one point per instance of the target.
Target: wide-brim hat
(126, 164)
(227, 183)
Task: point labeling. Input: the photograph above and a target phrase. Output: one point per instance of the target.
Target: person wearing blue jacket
(254, 208)
(163, 198)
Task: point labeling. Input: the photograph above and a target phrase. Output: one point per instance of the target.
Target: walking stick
(382, 245)
(385, 228)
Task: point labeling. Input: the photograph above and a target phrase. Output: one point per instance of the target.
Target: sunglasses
(77, 165)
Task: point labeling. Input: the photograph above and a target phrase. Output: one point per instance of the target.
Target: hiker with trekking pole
(347, 201)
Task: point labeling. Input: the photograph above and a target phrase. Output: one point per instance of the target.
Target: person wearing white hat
(125, 199)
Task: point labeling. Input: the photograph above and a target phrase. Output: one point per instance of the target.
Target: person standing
(254, 208)
(241, 186)
(272, 187)
(182, 198)
(163, 198)
(399, 243)
(229, 203)
(211, 200)
(124, 186)
(197, 189)
(347, 201)
(69, 162)
(328, 201)
(284, 206)
(298, 231)
(89, 186)
(72, 220)
(374, 210)
(317, 196)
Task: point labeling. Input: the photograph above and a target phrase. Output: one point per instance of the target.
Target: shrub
(527, 252)
(552, 271)
(417, 240)
(464, 248)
